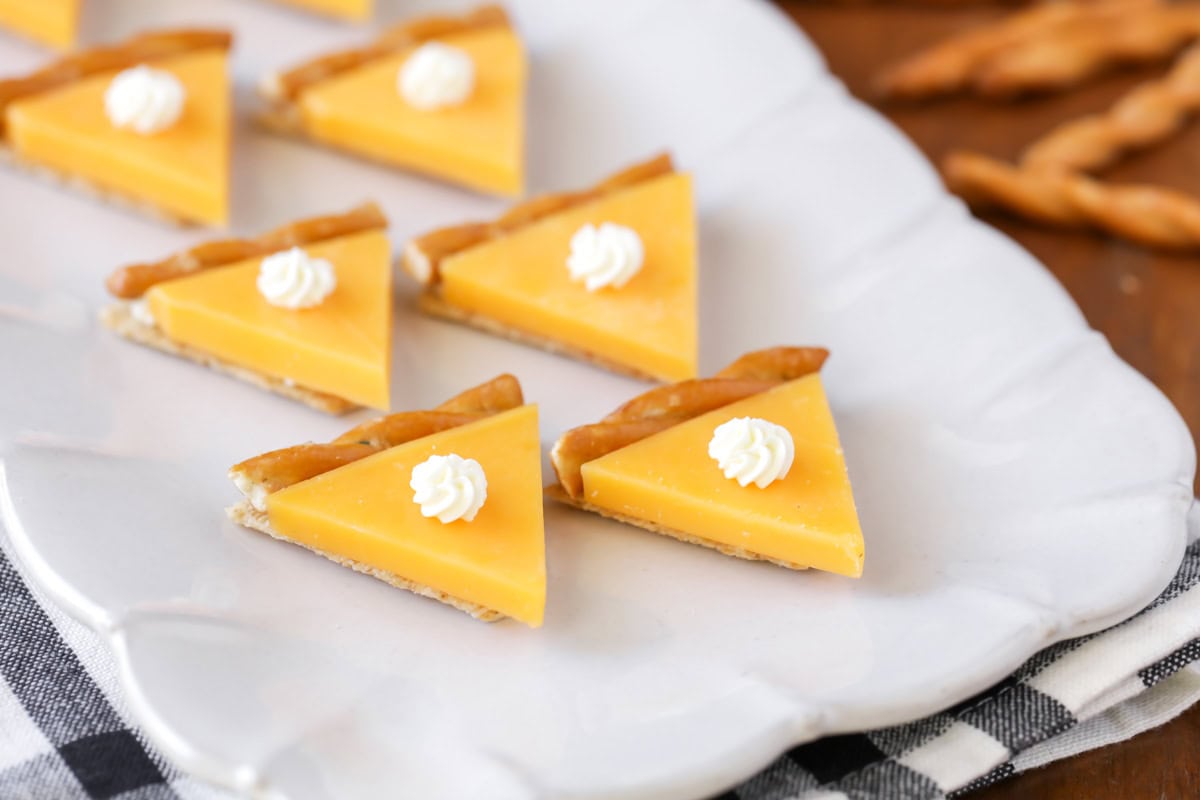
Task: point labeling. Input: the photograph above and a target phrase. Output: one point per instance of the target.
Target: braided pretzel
(1149, 215)
(666, 406)
(1144, 117)
(1075, 52)
(279, 469)
(953, 64)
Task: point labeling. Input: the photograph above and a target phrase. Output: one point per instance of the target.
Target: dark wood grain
(1147, 304)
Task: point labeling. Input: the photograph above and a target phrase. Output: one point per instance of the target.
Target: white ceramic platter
(1018, 484)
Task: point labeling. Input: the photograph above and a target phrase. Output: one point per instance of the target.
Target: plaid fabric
(64, 731)
(982, 740)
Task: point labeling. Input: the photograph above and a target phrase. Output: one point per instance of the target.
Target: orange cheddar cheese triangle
(181, 173)
(478, 143)
(669, 482)
(510, 276)
(341, 347)
(363, 515)
(649, 324)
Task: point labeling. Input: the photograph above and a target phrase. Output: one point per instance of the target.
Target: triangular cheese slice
(51, 22)
(183, 171)
(479, 144)
(356, 10)
(341, 347)
(364, 512)
(650, 324)
(669, 483)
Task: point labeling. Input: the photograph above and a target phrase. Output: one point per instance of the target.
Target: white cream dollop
(294, 279)
(605, 256)
(449, 487)
(436, 76)
(144, 100)
(751, 450)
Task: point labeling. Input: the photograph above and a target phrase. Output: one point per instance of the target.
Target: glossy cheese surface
(649, 324)
(807, 518)
(184, 170)
(51, 22)
(479, 144)
(364, 511)
(341, 347)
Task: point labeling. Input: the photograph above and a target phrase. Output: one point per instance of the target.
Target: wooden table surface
(1147, 304)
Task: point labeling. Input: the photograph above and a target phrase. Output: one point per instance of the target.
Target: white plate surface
(1017, 483)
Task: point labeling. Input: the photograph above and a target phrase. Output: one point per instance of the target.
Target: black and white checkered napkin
(66, 733)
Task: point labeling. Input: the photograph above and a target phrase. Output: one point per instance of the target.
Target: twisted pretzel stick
(1073, 53)
(1148, 215)
(661, 408)
(984, 181)
(1145, 116)
(279, 469)
(951, 65)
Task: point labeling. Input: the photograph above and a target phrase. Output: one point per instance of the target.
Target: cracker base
(246, 515)
(118, 318)
(557, 493)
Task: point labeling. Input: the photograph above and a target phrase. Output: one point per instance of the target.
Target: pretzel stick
(586, 443)
(285, 87)
(688, 399)
(278, 469)
(1149, 215)
(1072, 54)
(501, 393)
(777, 363)
(423, 255)
(402, 427)
(131, 282)
(984, 181)
(951, 65)
(660, 408)
(1144, 117)
(136, 50)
